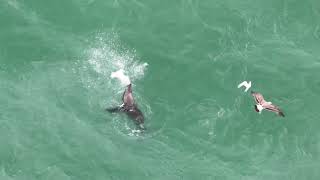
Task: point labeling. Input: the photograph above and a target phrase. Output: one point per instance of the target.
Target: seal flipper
(115, 109)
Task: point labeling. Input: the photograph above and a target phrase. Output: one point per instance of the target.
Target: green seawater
(56, 58)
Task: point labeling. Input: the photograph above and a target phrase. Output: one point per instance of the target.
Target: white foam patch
(14, 4)
(109, 56)
(121, 77)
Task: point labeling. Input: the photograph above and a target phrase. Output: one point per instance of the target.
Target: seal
(130, 108)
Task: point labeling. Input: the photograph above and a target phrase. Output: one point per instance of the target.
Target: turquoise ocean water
(56, 58)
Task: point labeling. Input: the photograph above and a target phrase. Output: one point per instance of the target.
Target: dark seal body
(130, 108)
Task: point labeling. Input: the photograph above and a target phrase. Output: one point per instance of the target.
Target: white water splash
(108, 56)
(121, 77)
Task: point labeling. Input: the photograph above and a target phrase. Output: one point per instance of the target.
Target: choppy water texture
(56, 58)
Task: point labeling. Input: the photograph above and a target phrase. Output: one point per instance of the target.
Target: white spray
(124, 79)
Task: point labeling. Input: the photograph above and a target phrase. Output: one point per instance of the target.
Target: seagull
(246, 85)
(263, 104)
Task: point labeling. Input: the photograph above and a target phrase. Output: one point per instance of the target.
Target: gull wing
(273, 108)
